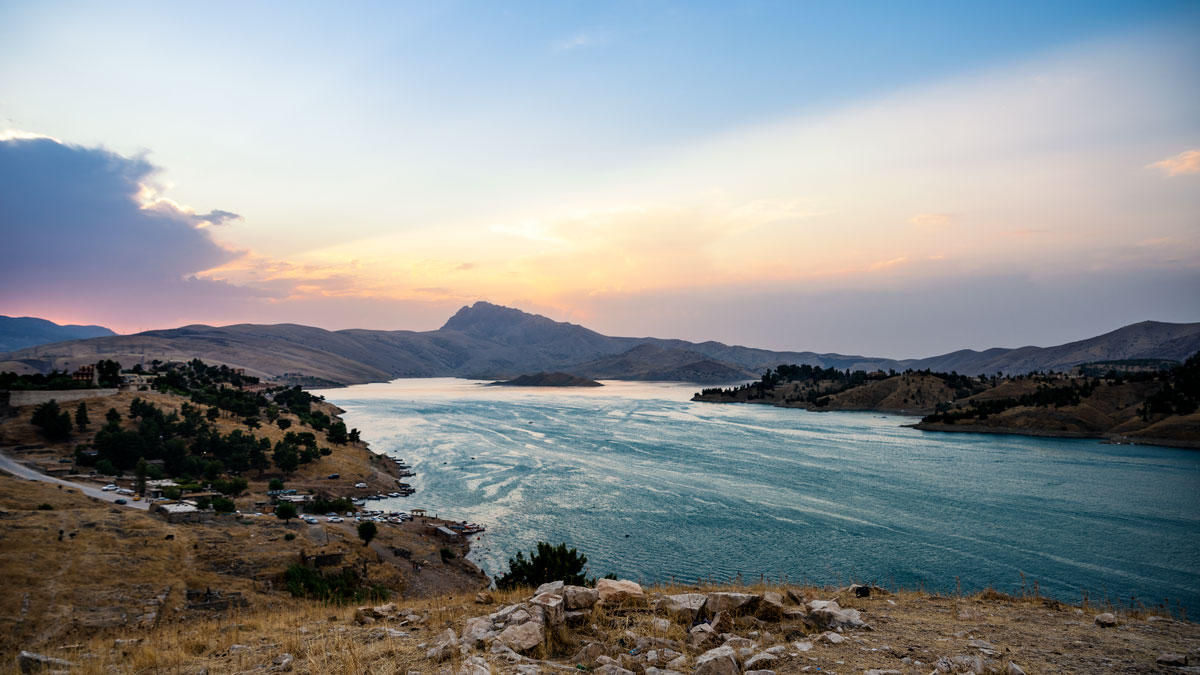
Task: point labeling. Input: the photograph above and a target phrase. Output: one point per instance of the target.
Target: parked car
(360, 485)
(109, 488)
(334, 519)
(120, 501)
(334, 476)
(124, 491)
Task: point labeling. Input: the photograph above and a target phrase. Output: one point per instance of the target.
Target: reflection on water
(652, 486)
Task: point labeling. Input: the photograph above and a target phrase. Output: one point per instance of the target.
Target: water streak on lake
(653, 486)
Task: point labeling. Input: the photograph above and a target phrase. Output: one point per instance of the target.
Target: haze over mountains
(488, 341)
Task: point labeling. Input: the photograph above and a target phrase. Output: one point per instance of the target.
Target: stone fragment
(738, 642)
(684, 607)
(762, 659)
(678, 663)
(520, 616)
(967, 662)
(833, 638)
(477, 631)
(504, 652)
(660, 625)
(553, 613)
(613, 593)
(770, 606)
(759, 672)
(719, 661)
(579, 597)
(1177, 660)
(612, 669)
(577, 617)
(735, 603)
(983, 646)
(1013, 669)
(796, 596)
(364, 615)
(802, 645)
(877, 671)
(588, 654)
(386, 610)
(553, 587)
(702, 636)
(1106, 620)
(529, 669)
(484, 598)
(283, 663)
(828, 615)
(523, 638)
(475, 665)
(29, 662)
(647, 643)
(444, 646)
(722, 623)
(659, 671)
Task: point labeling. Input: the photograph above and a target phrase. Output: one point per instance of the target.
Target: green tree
(252, 422)
(286, 457)
(54, 423)
(337, 433)
(107, 468)
(547, 563)
(275, 484)
(108, 373)
(285, 512)
(223, 505)
(213, 414)
(81, 417)
(112, 417)
(367, 531)
(140, 472)
(283, 423)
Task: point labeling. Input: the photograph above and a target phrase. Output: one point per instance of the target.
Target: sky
(896, 179)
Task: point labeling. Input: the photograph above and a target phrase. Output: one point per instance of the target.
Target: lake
(654, 487)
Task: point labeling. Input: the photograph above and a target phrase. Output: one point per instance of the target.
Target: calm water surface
(652, 486)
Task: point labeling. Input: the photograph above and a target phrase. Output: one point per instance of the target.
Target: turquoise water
(652, 486)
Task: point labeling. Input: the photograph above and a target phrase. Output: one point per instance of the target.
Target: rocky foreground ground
(619, 628)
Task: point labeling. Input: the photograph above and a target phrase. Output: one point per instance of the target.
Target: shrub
(447, 554)
(367, 531)
(275, 484)
(339, 587)
(547, 563)
(285, 512)
(45, 507)
(289, 536)
(223, 505)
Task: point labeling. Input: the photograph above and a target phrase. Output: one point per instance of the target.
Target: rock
(1013, 669)
(484, 598)
(796, 596)
(983, 646)
(965, 662)
(1106, 620)
(477, 631)
(234, 649)
(381, 633)
(759, 660)
(553, 587)
(684, 607)
(552, 608)
(678, 663)
(860, 591)
(770, 606)
(504, 652)
(588, 654)
(523, 638)
(826, 615)
(702, 636)
(364, 615)
(737, 643)
(385, 610)
(648, 643)
(283, 663)
(579, 597)
(444, 647)
(1178, 660)
(876, 671)
(577, 618)
(29, 662)
(660, 625)
(777, 650)
(719, 661)
(833, 638)
(129, 642)
(802, 645)
(759, 672)
(612, 669)
(722, 623)
(520, 616)
(529, 669)
(613, 593)
(734, 603)
(475, 665)
(659, 671)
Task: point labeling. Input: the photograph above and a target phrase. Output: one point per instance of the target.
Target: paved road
(20, 470)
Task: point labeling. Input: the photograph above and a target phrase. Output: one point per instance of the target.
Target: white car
(124, 491)
(333, 519)
(109, 488)
(360, 485)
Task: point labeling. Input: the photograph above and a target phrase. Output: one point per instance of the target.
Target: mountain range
(26, 331)
(487, 341)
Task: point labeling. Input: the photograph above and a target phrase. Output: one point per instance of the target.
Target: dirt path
(21, 471)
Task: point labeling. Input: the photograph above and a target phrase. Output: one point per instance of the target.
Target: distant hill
(548, 380)
(486, 341)
(20, 332)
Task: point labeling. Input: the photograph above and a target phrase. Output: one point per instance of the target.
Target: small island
(547, 380)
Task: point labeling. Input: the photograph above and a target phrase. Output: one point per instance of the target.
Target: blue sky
(624, 164)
